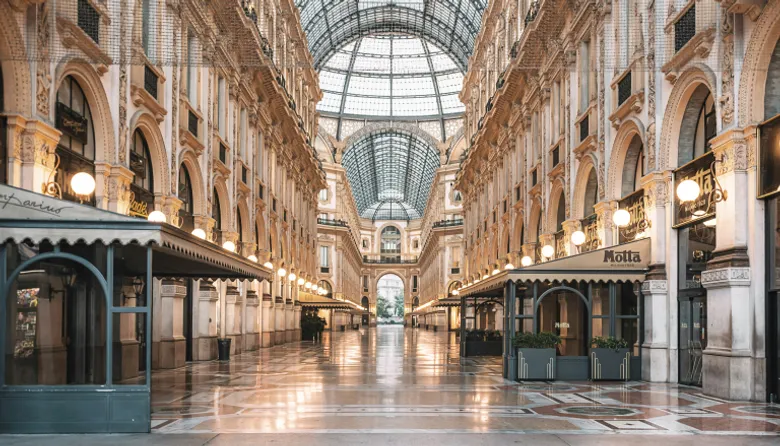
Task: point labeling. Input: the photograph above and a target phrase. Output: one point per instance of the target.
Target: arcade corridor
(395, 380)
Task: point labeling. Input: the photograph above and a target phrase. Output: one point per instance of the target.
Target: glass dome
(391, 75)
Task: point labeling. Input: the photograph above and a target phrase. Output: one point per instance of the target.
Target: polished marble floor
(404, 381)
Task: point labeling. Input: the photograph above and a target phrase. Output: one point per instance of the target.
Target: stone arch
(274, 240)
(684, 88)
(17, 83)
(190, 162)
(401, 230)
(582, 185)
(493, 252)
(150, 129)
(89, 81)
(752, 84)
(389, 272)
(622, 153)
(504, 248)
(557, 193)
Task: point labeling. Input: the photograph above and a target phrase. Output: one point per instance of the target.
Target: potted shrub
(610, 359)
(536, 354)
(484, 343)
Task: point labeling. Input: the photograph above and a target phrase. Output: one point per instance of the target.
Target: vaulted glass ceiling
(390, 173)
(391, 75)
(451, 24)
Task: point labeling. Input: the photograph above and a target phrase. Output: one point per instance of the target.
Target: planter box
(610, 364)
(536, 364)
(484, 348)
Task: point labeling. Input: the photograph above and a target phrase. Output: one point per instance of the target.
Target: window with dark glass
(143, 183)
(89, 20)
(216, 214)
(3, 136)
(186, 197)
(76, 148)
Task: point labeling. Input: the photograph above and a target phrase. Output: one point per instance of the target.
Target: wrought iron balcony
(389, 261)
(329, 222)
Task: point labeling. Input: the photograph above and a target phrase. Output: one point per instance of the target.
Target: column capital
(726, 277)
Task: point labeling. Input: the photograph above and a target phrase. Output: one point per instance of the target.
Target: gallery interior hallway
(397, 380)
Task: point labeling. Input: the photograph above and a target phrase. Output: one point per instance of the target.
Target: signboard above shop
(769, 158)
(634, 204)
(699, 171)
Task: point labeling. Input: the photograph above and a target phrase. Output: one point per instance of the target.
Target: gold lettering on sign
(76, 126)
(139, 209)
(702, 177)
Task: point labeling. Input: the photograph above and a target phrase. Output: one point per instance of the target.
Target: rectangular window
(556, 157)
(146, 27)
(585, 128)
(221, 107)
(414, 283)
(259, 160)
(89, 20)
(150, 82)
(242, 134)
(192, 70)
(624, 89)
(584, 75)
(324, 195)
(685, 28)
(192, 123)
(324, 257)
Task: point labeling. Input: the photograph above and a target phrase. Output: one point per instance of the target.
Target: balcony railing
(390, 250)
(389, 260)
(448, 223)
(150, 82)
(329, 222)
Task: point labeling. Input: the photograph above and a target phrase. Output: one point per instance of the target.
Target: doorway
(693, 337)
(188, 306)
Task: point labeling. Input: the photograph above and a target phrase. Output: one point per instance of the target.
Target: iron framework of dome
(391, 75)
(390, 173)
(451, 24)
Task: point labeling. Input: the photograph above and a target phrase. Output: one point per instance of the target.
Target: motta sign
(622, 258)
(635, 205)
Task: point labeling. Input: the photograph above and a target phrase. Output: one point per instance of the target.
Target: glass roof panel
(331, 102)
(451, 104)
(373, 76)
(390, 173)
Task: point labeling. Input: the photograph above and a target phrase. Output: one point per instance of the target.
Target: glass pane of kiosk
(696, 244)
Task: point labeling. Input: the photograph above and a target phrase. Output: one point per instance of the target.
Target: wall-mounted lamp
(689, 190)
(526, 261)
(282, 272)
(83, 184)
(548, 251)
(268, 265)
(199, 233)
(578, 238)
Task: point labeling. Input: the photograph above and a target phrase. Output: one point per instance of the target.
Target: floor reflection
(394, 379)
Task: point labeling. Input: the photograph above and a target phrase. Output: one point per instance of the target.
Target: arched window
(325, 285)
(186, 210)
(591, 194)
(239, 228)
(560, 215)
(143, 183)
(216, 214)
(76, 147)
(391, 240)
(698, 126)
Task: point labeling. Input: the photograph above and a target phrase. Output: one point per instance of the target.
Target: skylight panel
(373, 86)
(330, 81)
(410, 65)
(415, 106)
(357, 105)
(331, 102)
(406, 47)
(373, 65)
(375, 45)
(451, 104)
(450, 83)
(339, 61)
(413, 86)
(442, 62)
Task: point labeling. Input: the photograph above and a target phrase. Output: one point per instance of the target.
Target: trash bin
(223, 349)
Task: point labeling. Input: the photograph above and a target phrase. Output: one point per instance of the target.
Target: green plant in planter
(608, 342)
(536, 340)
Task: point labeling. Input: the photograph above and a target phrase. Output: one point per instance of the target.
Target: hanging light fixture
(157, 217)
(621, 218)
(578, 238)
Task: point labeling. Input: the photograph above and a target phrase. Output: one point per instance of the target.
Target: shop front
(579, 299)
(76, 289)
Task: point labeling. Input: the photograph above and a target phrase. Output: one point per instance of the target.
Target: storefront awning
(28, 216)
(317, 301)
(628, 262)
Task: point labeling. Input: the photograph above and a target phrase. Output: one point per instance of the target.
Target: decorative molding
(726, 277)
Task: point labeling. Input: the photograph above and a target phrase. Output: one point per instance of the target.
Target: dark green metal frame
(78, 408)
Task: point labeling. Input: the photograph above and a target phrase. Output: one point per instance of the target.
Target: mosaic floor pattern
(395, 380)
